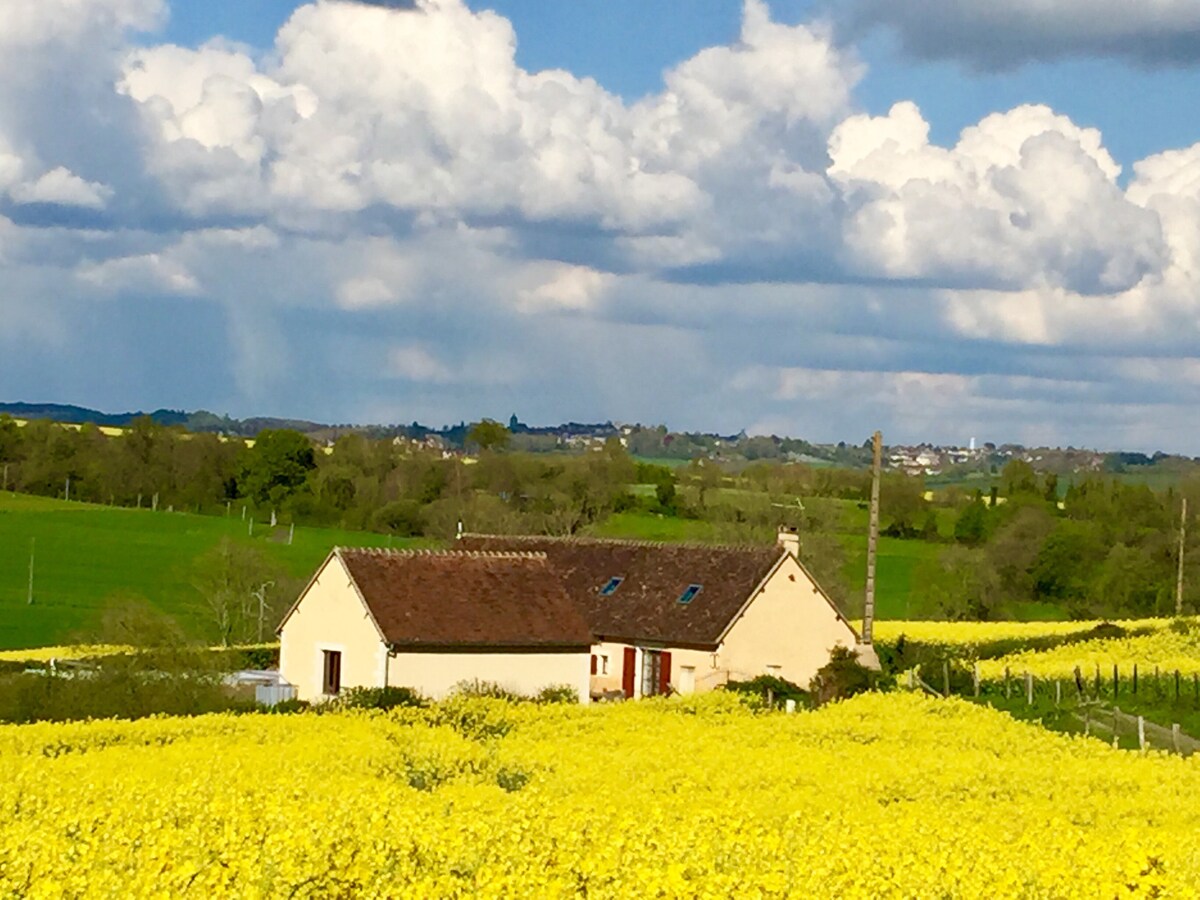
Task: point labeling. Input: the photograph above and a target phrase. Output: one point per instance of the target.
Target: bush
(557, 693)
(780, 690)
(489, 689)
(843, 676)
(287, 707)
(378, 698)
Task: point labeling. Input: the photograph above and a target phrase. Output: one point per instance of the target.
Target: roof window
(611, 587)
(689, 594)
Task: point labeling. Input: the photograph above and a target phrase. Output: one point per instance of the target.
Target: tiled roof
(645, 606)
(466, 599)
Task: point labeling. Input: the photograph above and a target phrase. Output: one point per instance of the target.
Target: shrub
(490, 689)
(287, 707)
(779, 690)
(557, 693)
(378, 698)
(843, 676)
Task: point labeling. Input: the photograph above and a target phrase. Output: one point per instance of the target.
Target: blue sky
(943, 218)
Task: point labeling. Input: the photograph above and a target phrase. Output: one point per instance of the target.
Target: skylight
(611, 588)
(690, 594)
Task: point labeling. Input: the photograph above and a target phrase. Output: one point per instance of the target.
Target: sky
(944, 219)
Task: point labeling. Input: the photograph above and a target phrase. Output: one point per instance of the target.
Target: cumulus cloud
(1024, 197)
(990, 35)
(63, 187)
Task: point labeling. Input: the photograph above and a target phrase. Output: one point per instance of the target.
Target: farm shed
(687, 618)
(429, 620)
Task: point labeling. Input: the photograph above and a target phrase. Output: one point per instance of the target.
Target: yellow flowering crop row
(1165, 649)
(882, 796)
(966, 635)
(45, 654)
(91, 651)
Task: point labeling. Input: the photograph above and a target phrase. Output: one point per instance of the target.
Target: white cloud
(415, 362)
(64, 188)
(1025, 198)
(563, 287)
(992, 35)
(151, 273)
(31, 23)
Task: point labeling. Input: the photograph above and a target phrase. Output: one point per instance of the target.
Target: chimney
(789, 540)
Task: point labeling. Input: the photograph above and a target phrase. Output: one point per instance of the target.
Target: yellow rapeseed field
(882, 796)
(1164, 649)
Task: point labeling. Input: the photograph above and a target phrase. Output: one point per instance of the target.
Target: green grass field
(85, 556)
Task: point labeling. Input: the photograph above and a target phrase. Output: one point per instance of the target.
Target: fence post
(975, 677)
(946, 677)
(1116, 726)
(1007, 686)
(1057, 692)
(1175, 737)
(1135, 679)
(1087, 721)
(1141, 733)
(1079, 682)
(1116, 682)
(1176, 685)
(1098, 681)
(1028, 689)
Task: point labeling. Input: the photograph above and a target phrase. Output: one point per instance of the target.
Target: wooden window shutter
(627, 672)
(664, 672)
(593, 663)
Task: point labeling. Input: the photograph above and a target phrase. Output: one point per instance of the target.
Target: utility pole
(872, 540)
(67, 495)
(29, 597)
(1179, 573)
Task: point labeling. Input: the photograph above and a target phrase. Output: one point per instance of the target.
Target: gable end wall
(330, 616)
(788, 624)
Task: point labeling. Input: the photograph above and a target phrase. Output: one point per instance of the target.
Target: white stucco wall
(789, 625)
(526, 672)
(330, 617)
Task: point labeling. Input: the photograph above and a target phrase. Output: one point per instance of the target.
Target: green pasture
(86, 555)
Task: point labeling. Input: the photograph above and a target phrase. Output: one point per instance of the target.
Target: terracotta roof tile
(655, 575)
(466, 599)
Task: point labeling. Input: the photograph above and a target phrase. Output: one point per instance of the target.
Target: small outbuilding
(430, 620)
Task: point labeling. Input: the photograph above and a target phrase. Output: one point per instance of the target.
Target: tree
(972, 525)
(276, 466)
(1018, 478)
(239, 588)
(488, 434)
(959, 584)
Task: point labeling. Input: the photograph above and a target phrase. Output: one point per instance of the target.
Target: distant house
(607, 617)
(429, 620)
(685, 617)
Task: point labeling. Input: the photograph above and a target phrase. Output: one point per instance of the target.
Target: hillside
(87, 556)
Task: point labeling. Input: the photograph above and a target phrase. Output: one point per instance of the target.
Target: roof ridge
(411, 552)
(626, 542)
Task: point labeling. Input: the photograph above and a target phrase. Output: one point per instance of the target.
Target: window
(331, 678)
(689, 594)
(603, 665)
(611, 587)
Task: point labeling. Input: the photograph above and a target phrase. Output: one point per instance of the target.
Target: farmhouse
(429, 620)
(607, 617)
(686, 617)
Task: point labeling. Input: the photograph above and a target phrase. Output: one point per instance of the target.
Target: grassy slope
(87, 554)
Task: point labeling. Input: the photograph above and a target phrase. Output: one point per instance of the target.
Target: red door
(627, 672)
(664, 673)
